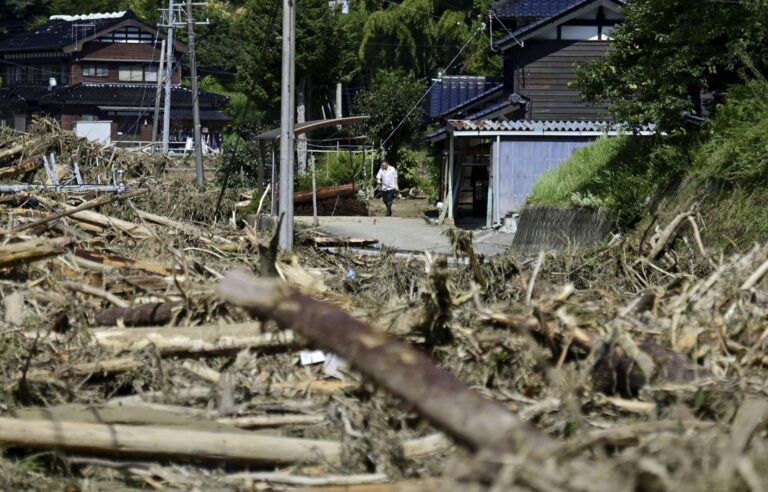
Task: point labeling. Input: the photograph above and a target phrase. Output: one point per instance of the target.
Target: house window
(150, 73)
(91, 70)
(131, 73)
(579, 33)
(128, 35)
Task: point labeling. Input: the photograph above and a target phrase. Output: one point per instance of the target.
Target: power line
(440, 74)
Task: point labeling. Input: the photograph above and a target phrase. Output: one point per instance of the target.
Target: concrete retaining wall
(558, 228)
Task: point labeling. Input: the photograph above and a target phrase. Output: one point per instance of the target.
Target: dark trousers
(388, 196)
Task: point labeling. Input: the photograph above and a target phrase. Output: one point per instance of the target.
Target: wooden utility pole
(286, 125)
(195, 99)
(158, 93)
(168, 77)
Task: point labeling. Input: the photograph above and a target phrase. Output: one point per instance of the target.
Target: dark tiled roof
(56, 34)
(450, 93)
(127, 95)
(23, 93)
(543, 21)
(528, 9)
(504, 106)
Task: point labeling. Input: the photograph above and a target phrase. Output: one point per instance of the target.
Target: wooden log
(11, 153)
(33, 250)
(159, 442)
(156, 313)
(435, 393)
(109, 366)
(186, 228)
(356, 242)
(324, 193)
(105, 221)
(115, 261)
(86, 206)
(205, 339)
(29, 165)
(261, 421)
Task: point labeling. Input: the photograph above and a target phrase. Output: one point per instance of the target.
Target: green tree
(420, 36)
(667, 51)
(392, 94)
(318, 55)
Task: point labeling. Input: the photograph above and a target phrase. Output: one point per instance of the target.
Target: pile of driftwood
(21, 155)
(142, 350)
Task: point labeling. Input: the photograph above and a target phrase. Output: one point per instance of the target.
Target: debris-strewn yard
(147, 345)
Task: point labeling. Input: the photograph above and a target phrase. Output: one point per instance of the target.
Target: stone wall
(559, 228)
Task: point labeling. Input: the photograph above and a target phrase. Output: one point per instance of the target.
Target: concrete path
(407, 234)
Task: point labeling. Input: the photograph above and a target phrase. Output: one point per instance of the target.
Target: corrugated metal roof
(451, 92)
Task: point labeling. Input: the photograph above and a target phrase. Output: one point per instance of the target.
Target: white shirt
(388, 178)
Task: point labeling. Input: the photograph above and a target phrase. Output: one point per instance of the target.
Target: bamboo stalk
(159, 442)
(206, 339)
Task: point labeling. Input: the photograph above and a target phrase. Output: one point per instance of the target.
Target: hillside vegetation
(719, 171)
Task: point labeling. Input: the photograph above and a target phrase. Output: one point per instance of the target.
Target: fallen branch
(437, 395)
(101, 220)
(259, 421)
(86, 206)
(96, 292)
(33, 250)
(115, 261)
(109, 366)
(205, 339)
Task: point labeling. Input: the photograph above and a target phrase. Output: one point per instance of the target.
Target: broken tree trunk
(33, 250)
(324, 193)
(156, 313)
(471, 419)
(205, 339)
(29, 165)
(86, 206)
(91, 217)
(159, 442)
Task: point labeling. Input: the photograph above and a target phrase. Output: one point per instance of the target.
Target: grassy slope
(722, 172)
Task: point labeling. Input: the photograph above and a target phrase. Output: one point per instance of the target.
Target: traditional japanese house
(498, 136)
(99, 68)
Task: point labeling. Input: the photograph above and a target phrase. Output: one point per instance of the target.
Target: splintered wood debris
(146, 345)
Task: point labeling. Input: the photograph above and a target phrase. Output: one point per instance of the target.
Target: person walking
(387, 178)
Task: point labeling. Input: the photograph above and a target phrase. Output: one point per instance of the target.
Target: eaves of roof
(528, 30)
(543, 127)
(136, 95)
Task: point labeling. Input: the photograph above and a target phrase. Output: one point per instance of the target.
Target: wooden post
(260, 171)
(158, 93)
(273, 196)
(449, 200)
(199, 170)
(315, 221)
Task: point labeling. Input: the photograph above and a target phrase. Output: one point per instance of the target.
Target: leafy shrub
(736, 152)
(620, 174)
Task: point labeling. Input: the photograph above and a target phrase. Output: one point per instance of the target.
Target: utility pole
(168, 76)
(286, 125)
(160, 78)
(195, 99)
